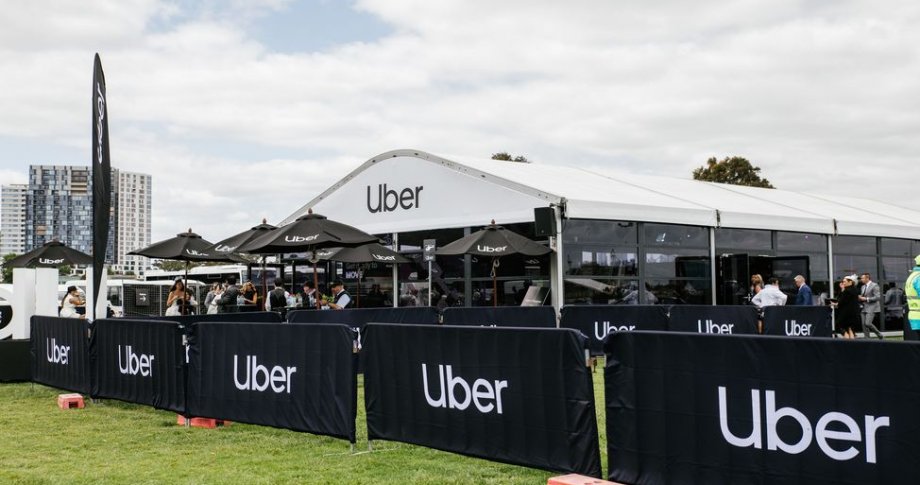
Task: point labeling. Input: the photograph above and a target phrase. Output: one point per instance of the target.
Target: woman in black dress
(847, 315)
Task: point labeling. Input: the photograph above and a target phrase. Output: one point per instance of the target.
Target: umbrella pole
(319, 304)
(358, 294)
(185, 297)
(265, 283)
(494, 282)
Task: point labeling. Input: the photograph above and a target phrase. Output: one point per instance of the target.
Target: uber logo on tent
(50, 261)
(258, 377)
(135, 363)
(298, 239)
(482, 393)
(822, 435)
(795, 329)
(57, 354)
(389, 200)
(602, 329)
(707, 326)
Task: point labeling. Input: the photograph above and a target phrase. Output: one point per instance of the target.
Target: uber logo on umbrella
(833, 442)
(485, 395)
(50, 261)
(57, 354)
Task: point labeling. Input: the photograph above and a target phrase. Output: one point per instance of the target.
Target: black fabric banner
(60, 353)
(140, 361)
(514, 395)
(722, 319)
(15, 360)
(685, 408)
(247, 317)
(797, 321)
(102, 176)
(507, 316)
(298, 377)
(597, 321)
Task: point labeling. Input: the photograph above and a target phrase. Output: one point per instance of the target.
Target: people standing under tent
(309, 295)
(756, 286)
(249, 294)
(912, 292)
(770, 295)
(228, 299)
(176, 299)
(847, 308)
(278, 298)
(212, 292)
(70, 302)
(870, 297)
(340, 298)
(804, 295)
(213, 306)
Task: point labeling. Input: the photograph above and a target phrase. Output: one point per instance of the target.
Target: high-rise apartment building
(58, 204)
(13, 218)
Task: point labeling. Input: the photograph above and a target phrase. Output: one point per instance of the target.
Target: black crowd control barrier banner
(298, 377)
(514, 395)
(722, 319)
(508, 316)
(596, 321)
(60, 353)
(685, 408)
(797, 321)
(15, 360)
(248, 317)
(140, 361)
(358, 318)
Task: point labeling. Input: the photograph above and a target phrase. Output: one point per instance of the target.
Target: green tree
(731, 170)
(7, 269)
(170, 265)
(505, 156)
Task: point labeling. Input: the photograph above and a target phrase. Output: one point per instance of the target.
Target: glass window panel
(601, 260)
(896, 269)
(817, 263)
(510, 291)
(511, 266)
(612, 233)
(746, 239)
(854, 245)
(680, 263)
(801, 242)
(896, 247)
(846, 264)
(681, 292)
(586, 291)
(672, 235)
(916, 248)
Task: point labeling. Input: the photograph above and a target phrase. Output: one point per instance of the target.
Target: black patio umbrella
(367, 253)
(494, 241)
(310, 233)
(50, 255)
(188, 247)
(230, 244)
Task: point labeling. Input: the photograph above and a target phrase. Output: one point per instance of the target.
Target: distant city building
(58, 204)
(13, 218)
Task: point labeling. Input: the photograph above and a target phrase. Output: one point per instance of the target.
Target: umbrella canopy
(232, 243)
(495, 241)
(50, 255)
(185, 246)
(308, 233)
(368, 253)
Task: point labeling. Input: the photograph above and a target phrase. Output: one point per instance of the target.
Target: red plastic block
(207, 423)
(70, 401)
(575, 479)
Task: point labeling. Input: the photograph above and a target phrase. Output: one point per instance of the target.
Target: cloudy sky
(244, 109)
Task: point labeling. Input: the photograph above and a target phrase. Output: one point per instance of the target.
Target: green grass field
(115, 442)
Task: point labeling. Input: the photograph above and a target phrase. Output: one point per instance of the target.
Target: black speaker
(544, 221)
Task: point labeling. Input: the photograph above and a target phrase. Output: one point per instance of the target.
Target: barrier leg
(370, 446)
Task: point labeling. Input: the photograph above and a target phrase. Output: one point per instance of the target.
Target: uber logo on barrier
(135, 364)
(389, 200)
(707, 326)
(57, 354)
(795, 329)
(822, 435)
(602, 329)
(481, 393)
(259, 377)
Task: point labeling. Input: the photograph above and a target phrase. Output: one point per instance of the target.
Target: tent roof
(600, 193)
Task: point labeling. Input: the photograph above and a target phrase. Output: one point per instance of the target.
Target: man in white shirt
(340, 299)
(770, 295)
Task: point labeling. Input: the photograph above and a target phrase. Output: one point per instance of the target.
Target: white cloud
(806, 91)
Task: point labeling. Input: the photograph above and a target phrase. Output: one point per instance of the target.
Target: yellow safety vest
(913, 299)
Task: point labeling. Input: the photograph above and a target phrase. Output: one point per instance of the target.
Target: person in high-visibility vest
(912, 291)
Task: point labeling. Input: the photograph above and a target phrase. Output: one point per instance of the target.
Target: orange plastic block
(207, 423)
(575, 479)
(70, 401)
